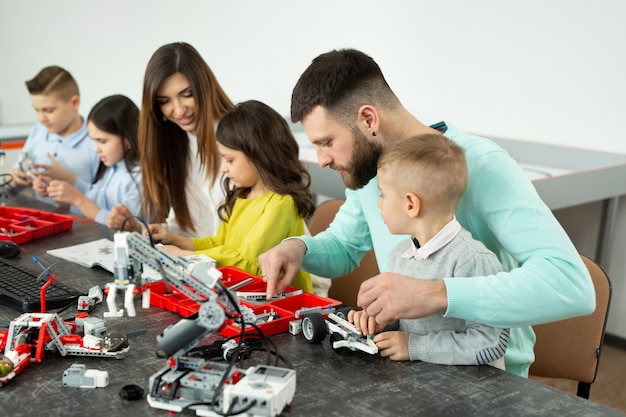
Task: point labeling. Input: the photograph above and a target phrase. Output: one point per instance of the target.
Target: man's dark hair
(341, 81)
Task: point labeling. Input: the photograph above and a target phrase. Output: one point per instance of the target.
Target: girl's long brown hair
(264, 137)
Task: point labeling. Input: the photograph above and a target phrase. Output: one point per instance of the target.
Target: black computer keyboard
(19, 289)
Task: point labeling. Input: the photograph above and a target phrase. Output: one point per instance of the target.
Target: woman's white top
(202, 198)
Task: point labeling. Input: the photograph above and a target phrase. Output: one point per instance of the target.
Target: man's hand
(364, 323)
(389, 297)
(280, 264)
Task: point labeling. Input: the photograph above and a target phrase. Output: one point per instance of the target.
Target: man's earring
(374, 133)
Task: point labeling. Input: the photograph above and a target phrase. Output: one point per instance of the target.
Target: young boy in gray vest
(422, 180)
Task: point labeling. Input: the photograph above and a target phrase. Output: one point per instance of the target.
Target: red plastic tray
(22, 225)
(285, 308)
(269, 328)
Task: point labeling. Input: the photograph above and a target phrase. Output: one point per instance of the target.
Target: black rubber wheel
(314, 327)
(343, 312)
(131, 392)
(334, 338)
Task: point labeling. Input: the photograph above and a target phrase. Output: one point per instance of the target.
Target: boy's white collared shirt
(441, 239)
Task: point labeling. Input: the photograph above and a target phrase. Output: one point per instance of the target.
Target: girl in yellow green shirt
(267, 192)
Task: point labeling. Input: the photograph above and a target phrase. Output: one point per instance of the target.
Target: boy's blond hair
(53, 80)
(431, 166)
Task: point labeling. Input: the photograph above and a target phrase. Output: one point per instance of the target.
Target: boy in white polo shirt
(58, 144)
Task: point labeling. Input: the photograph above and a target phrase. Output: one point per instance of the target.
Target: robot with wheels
(210, 388)
(343, 334)
(32, 335)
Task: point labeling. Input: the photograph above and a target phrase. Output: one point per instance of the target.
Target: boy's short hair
(430, 165)
(53, 80)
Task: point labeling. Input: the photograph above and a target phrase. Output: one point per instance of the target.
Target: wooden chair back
(570, 349)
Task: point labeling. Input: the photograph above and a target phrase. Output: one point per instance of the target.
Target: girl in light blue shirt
(112, 124)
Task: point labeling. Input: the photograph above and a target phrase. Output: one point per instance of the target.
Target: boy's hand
(40, 184)
(20, 179)
(55, 170)
(364, 323)
(394, 345)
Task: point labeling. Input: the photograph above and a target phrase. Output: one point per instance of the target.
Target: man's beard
(363, 163)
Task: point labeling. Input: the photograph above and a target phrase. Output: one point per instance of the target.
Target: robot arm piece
(199, 281)
(132, 251)
(196, 383)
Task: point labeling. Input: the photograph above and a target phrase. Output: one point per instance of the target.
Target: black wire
(230, 407)
(142, 221)
(266, 342)
(243, 336)
(188, 406)
(230, 411)
(231, 365)
(4, 177)
(168, 289)
(62, 309)
(238, 352)
(230, 297)
(235, 304)
(275, 352)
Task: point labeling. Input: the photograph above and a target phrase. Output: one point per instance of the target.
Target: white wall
(536, 70)
(549, 71)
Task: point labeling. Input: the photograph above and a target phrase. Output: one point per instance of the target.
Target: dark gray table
(328, 383)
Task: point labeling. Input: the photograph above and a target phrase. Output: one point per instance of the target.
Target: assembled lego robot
(343, 334)
(31, 335)
(208, 387)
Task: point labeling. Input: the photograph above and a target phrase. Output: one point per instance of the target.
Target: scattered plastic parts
(77, 376)
(85, 302)
(116, 341)
(295, 327)
(131, 392)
